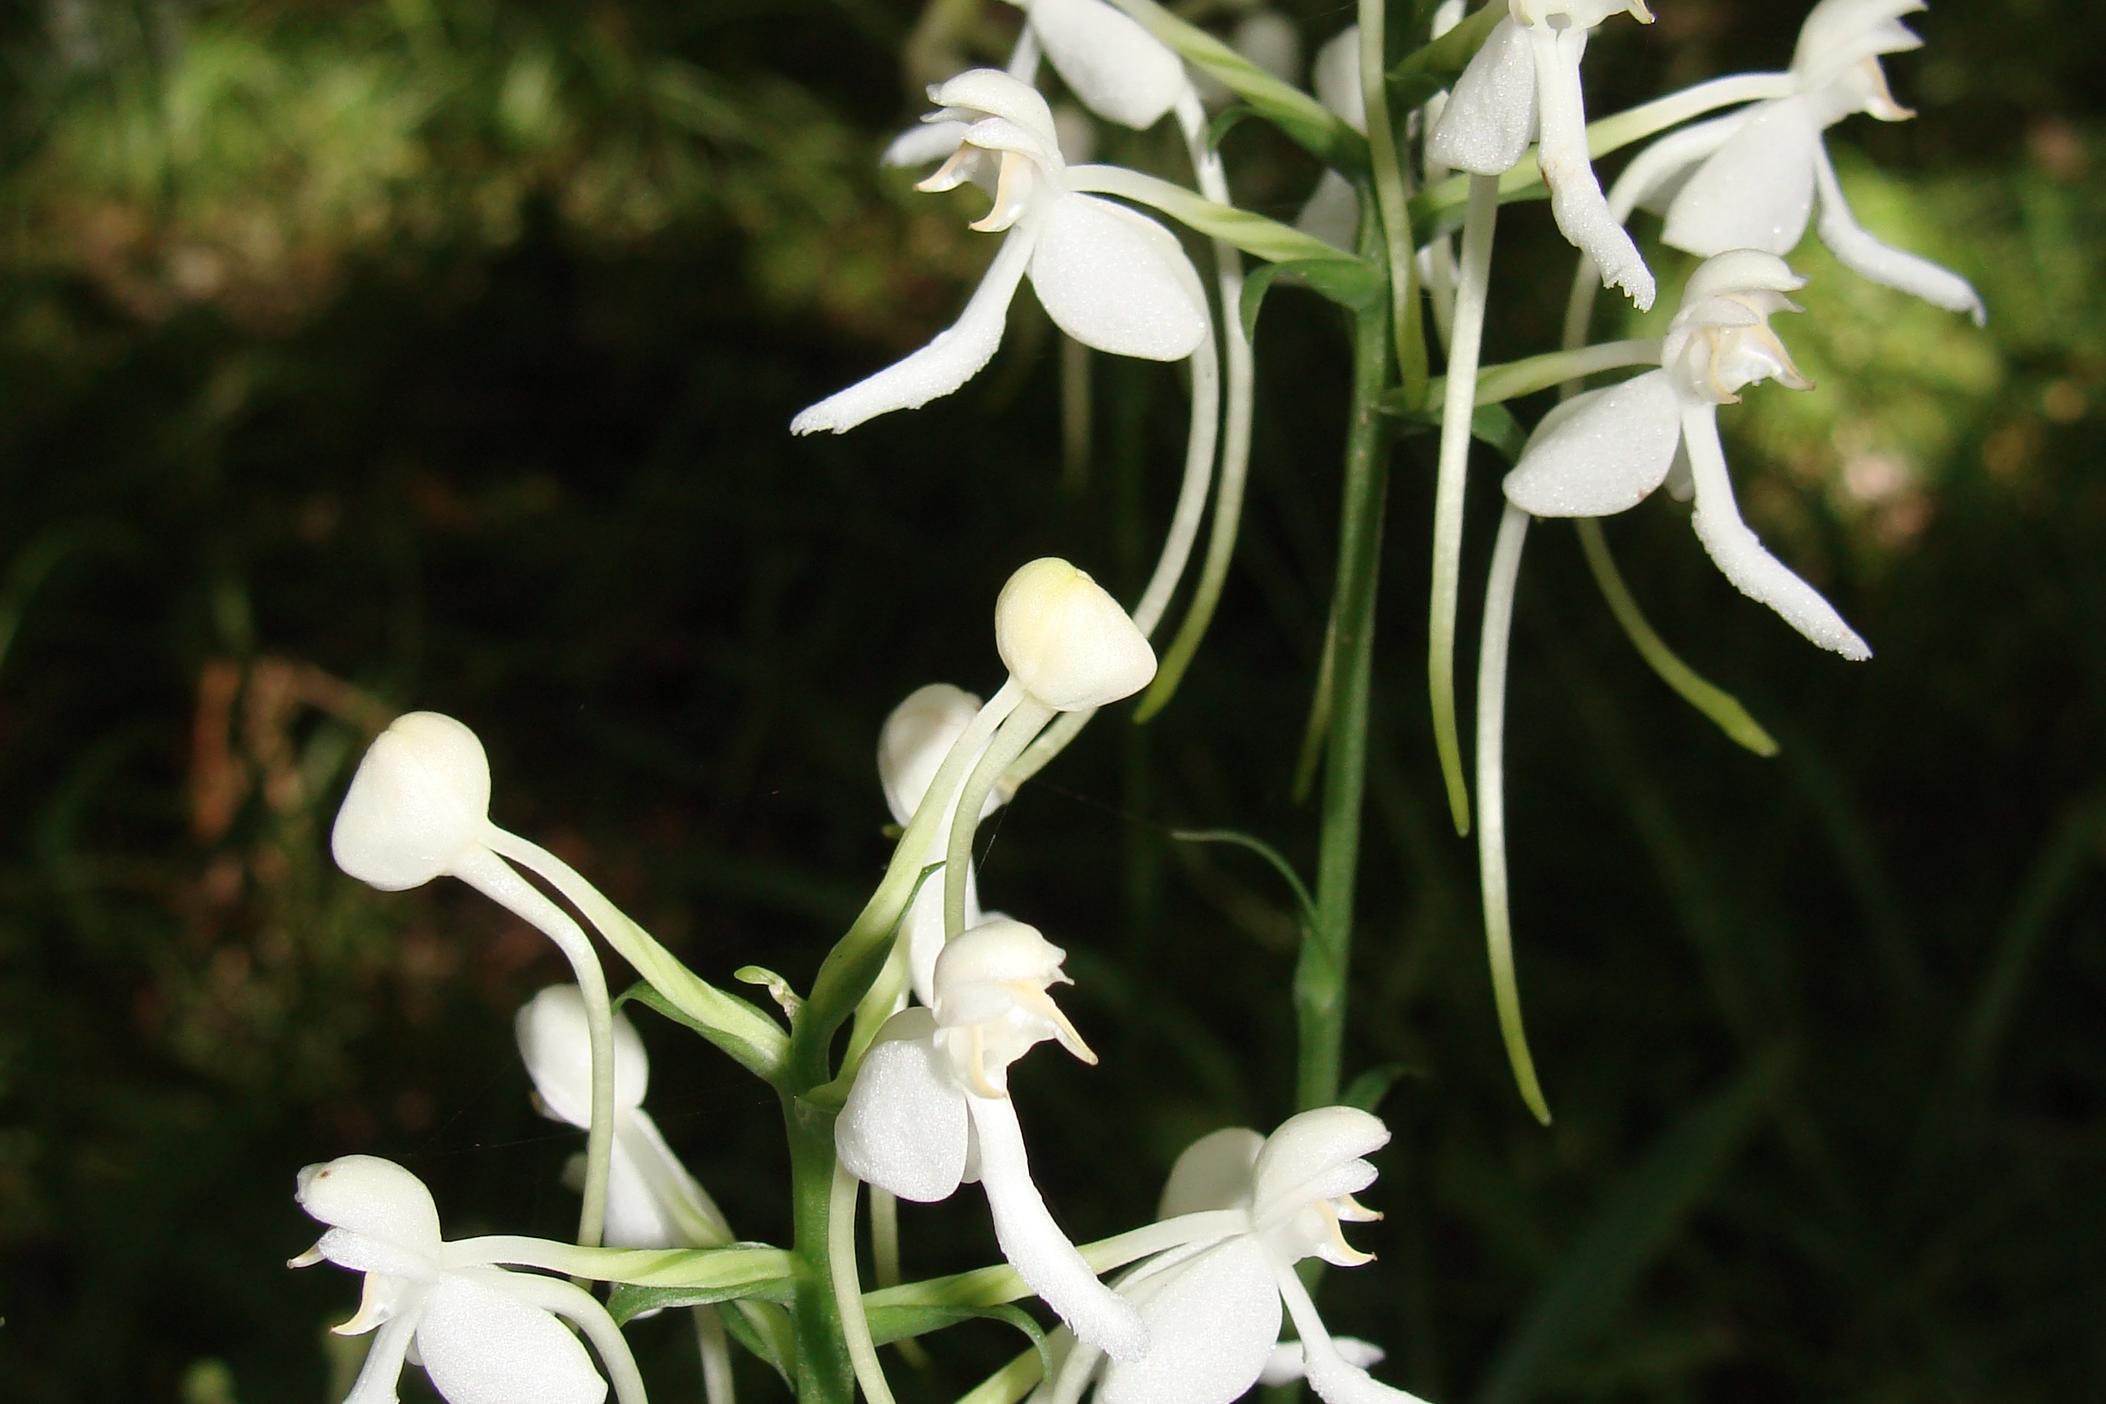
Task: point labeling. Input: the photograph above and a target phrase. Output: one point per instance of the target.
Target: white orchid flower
(916, 738)
(1752, 180)
(652, 1200)
(483, 1334)
(1212, 1307)
(1112, 279)
(418, 809)
(1523, 85)
(1605, 451)
(930, 1109)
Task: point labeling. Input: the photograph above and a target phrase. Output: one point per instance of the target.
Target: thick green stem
(1320, 976)
(823, 1371)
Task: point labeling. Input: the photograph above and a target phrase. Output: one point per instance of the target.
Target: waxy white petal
(1286, 1365)
(904, 1128)
(1117, 281)
(481, 1345)
(1211, 1322)
(1121, 71)
(954, 357)
(1601, 452)
(998, 94)
(924, 144)
(1034, 1244)
(1755, 192)
(1491, 114)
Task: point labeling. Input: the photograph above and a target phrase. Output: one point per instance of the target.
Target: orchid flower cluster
(892, 1062)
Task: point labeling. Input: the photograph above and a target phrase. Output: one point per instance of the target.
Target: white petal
(380, 1258)
(1755, 192)
(924, 143)
(1491, 115)
(999, 94)
(1214, 1172)
(1035, 1246)
(1867, 257)
(689, 1208)
(1744, 560)
(1118, 281)
(1066, 641)
(1121, 71)
(382, 1369)
(554, 1044)
(954, 357)
(1336, 77)
(1285, 1365)
(481, 1345)
(1657, 174)
(1211, 1325)
(1600, 452)
(903, 1128)
(1316, 1155)
(419, 800)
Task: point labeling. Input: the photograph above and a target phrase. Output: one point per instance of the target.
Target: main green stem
(823, 1372)
(1320, 977)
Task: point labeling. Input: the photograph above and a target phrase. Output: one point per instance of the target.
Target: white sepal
(1118, 69)
(904, 1126)
(1214, 1172)
(368, 1197)
(1755, 192)
(1117, 281)
(1491, 113)
(1315, 1155)
(1601, 452)
(482, 1345)
(1211, 1321)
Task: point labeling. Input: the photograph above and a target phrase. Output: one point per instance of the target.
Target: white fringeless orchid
(1523, 85)
(916, 738)
(652, 1200)
(930, 1109)
(1112, 279)
(1752, 180)
(1212, 1307)
(1605, 451)
(483, 1334)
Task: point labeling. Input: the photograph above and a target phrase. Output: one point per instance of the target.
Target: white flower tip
(1066, 642)
(556, 1046)
(419, 802)
(819, 419)
(1000, 951)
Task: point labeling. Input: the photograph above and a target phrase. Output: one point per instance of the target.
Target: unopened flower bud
(1067, 642)
(420, 800)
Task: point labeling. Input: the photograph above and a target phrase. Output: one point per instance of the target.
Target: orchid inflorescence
(893, 1064)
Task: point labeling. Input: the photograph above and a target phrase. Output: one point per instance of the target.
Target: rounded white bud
(915, 739)
(420, 799)
(1067, 642)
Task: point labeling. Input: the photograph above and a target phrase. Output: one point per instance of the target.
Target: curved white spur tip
(1067, 642)
(419, 802)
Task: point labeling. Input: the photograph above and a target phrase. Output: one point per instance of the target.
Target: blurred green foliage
(366, 356)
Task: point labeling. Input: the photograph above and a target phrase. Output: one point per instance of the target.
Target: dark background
(360, 357)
